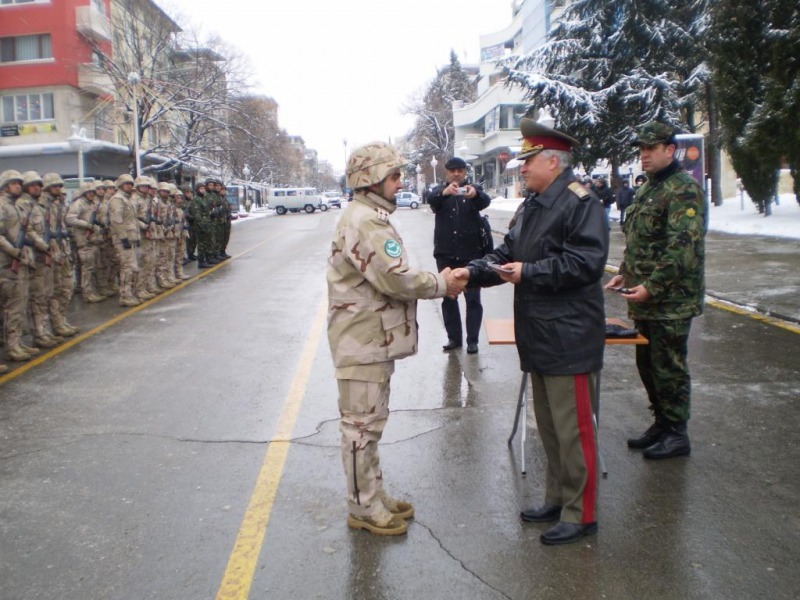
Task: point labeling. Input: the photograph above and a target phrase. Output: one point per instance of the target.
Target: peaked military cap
(653, 133)
(537, 138)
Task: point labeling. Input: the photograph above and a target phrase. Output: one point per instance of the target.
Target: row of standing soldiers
(209, 215)
(127, 237)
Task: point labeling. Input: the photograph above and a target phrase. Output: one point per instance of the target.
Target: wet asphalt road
(127, 462)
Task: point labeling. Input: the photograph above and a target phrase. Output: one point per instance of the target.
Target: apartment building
(487, 130)
(59, 109)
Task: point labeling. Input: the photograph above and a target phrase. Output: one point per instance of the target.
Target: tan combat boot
(3, 368)
(129, 301)
(45, 342)
(29, 350)
(398, 508)
(17, 354)
(387, 526)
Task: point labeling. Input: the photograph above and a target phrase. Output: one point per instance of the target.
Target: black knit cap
(455, 162)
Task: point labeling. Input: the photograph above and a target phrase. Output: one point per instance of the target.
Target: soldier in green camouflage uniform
(212, 195)
(663, 266)
(372, 293)
(227, 218)
(200, 212)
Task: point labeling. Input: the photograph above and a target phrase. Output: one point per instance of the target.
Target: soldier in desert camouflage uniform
(663, 266)
(372, 293)
(63, 262)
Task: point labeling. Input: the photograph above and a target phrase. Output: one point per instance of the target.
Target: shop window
(24, 108)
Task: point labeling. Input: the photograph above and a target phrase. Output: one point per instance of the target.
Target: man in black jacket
(457, 240)
(555, 255)
(624, 200)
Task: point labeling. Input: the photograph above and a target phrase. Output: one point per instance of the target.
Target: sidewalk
(753, 271)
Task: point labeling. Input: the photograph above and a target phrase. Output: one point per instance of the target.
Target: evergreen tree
(783, 84)
(746, 80)
(612, 65)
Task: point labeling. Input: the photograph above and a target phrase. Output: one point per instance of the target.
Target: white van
(284, 200)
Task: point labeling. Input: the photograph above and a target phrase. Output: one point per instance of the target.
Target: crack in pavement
(461, 562)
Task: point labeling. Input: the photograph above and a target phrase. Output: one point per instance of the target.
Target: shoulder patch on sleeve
(577, 189)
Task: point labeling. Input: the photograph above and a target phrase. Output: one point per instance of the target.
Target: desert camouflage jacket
(665, 230)
(372, 290)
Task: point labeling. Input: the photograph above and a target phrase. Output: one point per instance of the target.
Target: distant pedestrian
(603, 191)
(458, 238)
(663, 267)
(624, 200)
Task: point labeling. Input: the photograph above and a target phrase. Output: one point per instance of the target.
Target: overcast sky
(342, 69)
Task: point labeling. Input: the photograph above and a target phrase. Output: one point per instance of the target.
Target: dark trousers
(451, 314)
(663, 367)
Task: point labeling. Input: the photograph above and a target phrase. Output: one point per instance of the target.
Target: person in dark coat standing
(458, 239)
(624, 200)
(600, 187)
(555, 256)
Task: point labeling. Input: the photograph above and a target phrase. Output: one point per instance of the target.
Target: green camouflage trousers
(664, 369)
(364, 407)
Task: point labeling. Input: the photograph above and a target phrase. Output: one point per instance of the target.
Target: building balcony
(93, 24)
(93, 80)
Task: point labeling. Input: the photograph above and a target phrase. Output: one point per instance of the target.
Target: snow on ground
(728, 218)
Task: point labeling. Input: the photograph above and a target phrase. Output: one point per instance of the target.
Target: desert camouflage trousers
(40, 290)
(13, 299)
(664, 369)
(128, 270)
(364, 408)
(87, 255)
(63, 288)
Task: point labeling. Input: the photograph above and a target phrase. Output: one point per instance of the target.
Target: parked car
(334, 199)
(409, 199)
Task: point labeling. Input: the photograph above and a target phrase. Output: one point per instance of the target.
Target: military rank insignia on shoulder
(691, 212)
(382, 215)
(577, 189)
(392, 248)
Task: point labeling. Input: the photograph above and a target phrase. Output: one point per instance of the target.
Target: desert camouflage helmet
(371, 164)
(52, 179)
(164, 187)
(124, 178)
(29, 177)
(108, 183)
(99, 185)
(142, 180)
(7, 177)
(86, 187)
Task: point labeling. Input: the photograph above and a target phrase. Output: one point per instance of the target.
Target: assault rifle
(20, 244)
(48, 258)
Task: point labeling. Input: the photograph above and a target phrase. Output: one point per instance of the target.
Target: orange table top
(501, 332)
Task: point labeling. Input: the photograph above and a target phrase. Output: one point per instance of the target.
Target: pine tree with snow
(744, 71)
(612, 65)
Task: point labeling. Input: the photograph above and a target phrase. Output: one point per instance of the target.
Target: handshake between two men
(457, 279)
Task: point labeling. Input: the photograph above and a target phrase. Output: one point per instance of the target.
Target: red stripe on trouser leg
(583, 403)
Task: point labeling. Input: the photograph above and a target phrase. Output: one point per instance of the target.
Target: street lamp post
(418, 169)
(246, 172)
(434, 162)
(80, 143)
(345, 167)
(134, 79)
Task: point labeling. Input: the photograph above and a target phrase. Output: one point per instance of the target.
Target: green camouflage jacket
(665, 230)
(372, 290)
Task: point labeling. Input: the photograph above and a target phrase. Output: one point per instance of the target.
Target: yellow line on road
(241, 568)
(61, 348)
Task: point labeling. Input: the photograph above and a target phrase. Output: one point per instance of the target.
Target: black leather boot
(649, 437)
(673, 442)
(541, 514)
(201, 263)
(212, 260)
